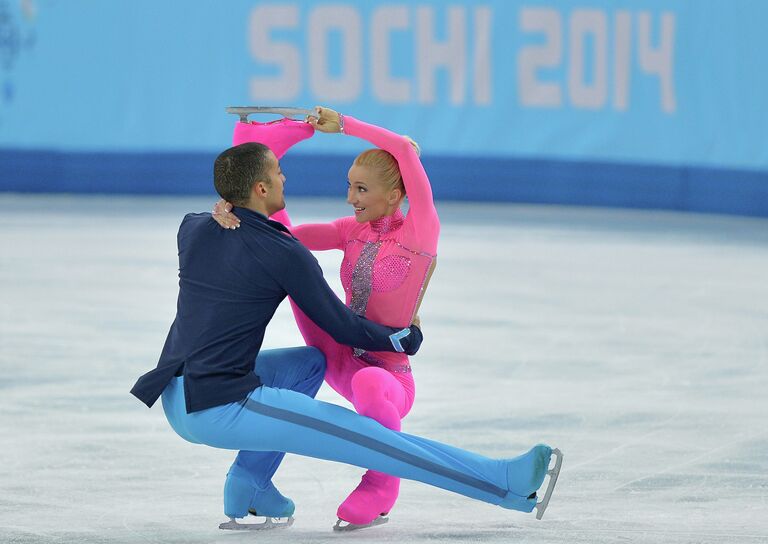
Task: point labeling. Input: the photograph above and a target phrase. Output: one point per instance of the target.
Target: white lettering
(331, 66)
(385, 87)
(622, 57)
(482, 56)
(532, 91)
(582, 94)
(588, 88)
(287, 85)
(450, 54)
(345, 20)
(659, 61)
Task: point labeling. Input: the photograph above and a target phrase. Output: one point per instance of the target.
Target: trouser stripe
(373, 444)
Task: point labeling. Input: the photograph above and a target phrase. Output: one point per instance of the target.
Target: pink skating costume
(384, 270)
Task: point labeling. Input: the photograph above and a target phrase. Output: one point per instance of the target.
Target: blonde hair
(385, 165)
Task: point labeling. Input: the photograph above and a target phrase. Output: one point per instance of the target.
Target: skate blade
(339, 528)
(267, 525)
(285, 111)
(553, 473)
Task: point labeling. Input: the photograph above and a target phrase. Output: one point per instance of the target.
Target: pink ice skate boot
(367, 505)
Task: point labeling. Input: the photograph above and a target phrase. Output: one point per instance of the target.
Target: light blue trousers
(273, 419)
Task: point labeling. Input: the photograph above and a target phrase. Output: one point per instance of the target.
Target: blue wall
(636, 103)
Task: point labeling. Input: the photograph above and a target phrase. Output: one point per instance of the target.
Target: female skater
(388, 259)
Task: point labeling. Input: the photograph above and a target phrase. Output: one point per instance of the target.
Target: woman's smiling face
(370, 199)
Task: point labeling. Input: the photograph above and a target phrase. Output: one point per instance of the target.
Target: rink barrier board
(479, 179)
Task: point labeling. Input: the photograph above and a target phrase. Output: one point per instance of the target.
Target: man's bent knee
(314, 359)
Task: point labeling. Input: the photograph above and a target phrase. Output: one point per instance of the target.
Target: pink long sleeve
(315, 236)
(322, 236)
(422, 214)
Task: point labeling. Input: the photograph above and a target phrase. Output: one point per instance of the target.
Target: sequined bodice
(375, 267)
(372, 274)
(386, 274)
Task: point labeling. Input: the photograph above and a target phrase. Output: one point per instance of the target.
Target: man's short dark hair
(237, 169)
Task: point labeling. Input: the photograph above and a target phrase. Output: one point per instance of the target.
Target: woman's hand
(329, 120)
(222, 214)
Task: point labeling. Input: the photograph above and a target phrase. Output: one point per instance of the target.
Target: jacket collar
(246, 214)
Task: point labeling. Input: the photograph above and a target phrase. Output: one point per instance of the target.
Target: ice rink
(635, 341)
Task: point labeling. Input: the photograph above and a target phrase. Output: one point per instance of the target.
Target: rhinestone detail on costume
(388, 223)
(390, 272)
(361, 281)
(375, 361)
(362, 277)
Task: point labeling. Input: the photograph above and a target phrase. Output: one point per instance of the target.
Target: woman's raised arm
(422, 212)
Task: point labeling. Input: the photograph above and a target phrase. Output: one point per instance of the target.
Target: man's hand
(414, 340)
(222, 214)
(329, 120)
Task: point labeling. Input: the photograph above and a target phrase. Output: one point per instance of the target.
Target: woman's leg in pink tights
(279, 136)
(378, 395)
(375, 393)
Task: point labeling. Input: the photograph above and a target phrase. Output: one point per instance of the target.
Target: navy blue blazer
(230, 284)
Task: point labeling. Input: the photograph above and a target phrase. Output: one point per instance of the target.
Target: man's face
(275, 198)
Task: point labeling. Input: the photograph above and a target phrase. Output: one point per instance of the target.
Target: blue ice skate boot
(525, 475)
(271, 503)
(241, 497)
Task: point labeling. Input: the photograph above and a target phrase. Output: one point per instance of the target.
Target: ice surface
(637, 342)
